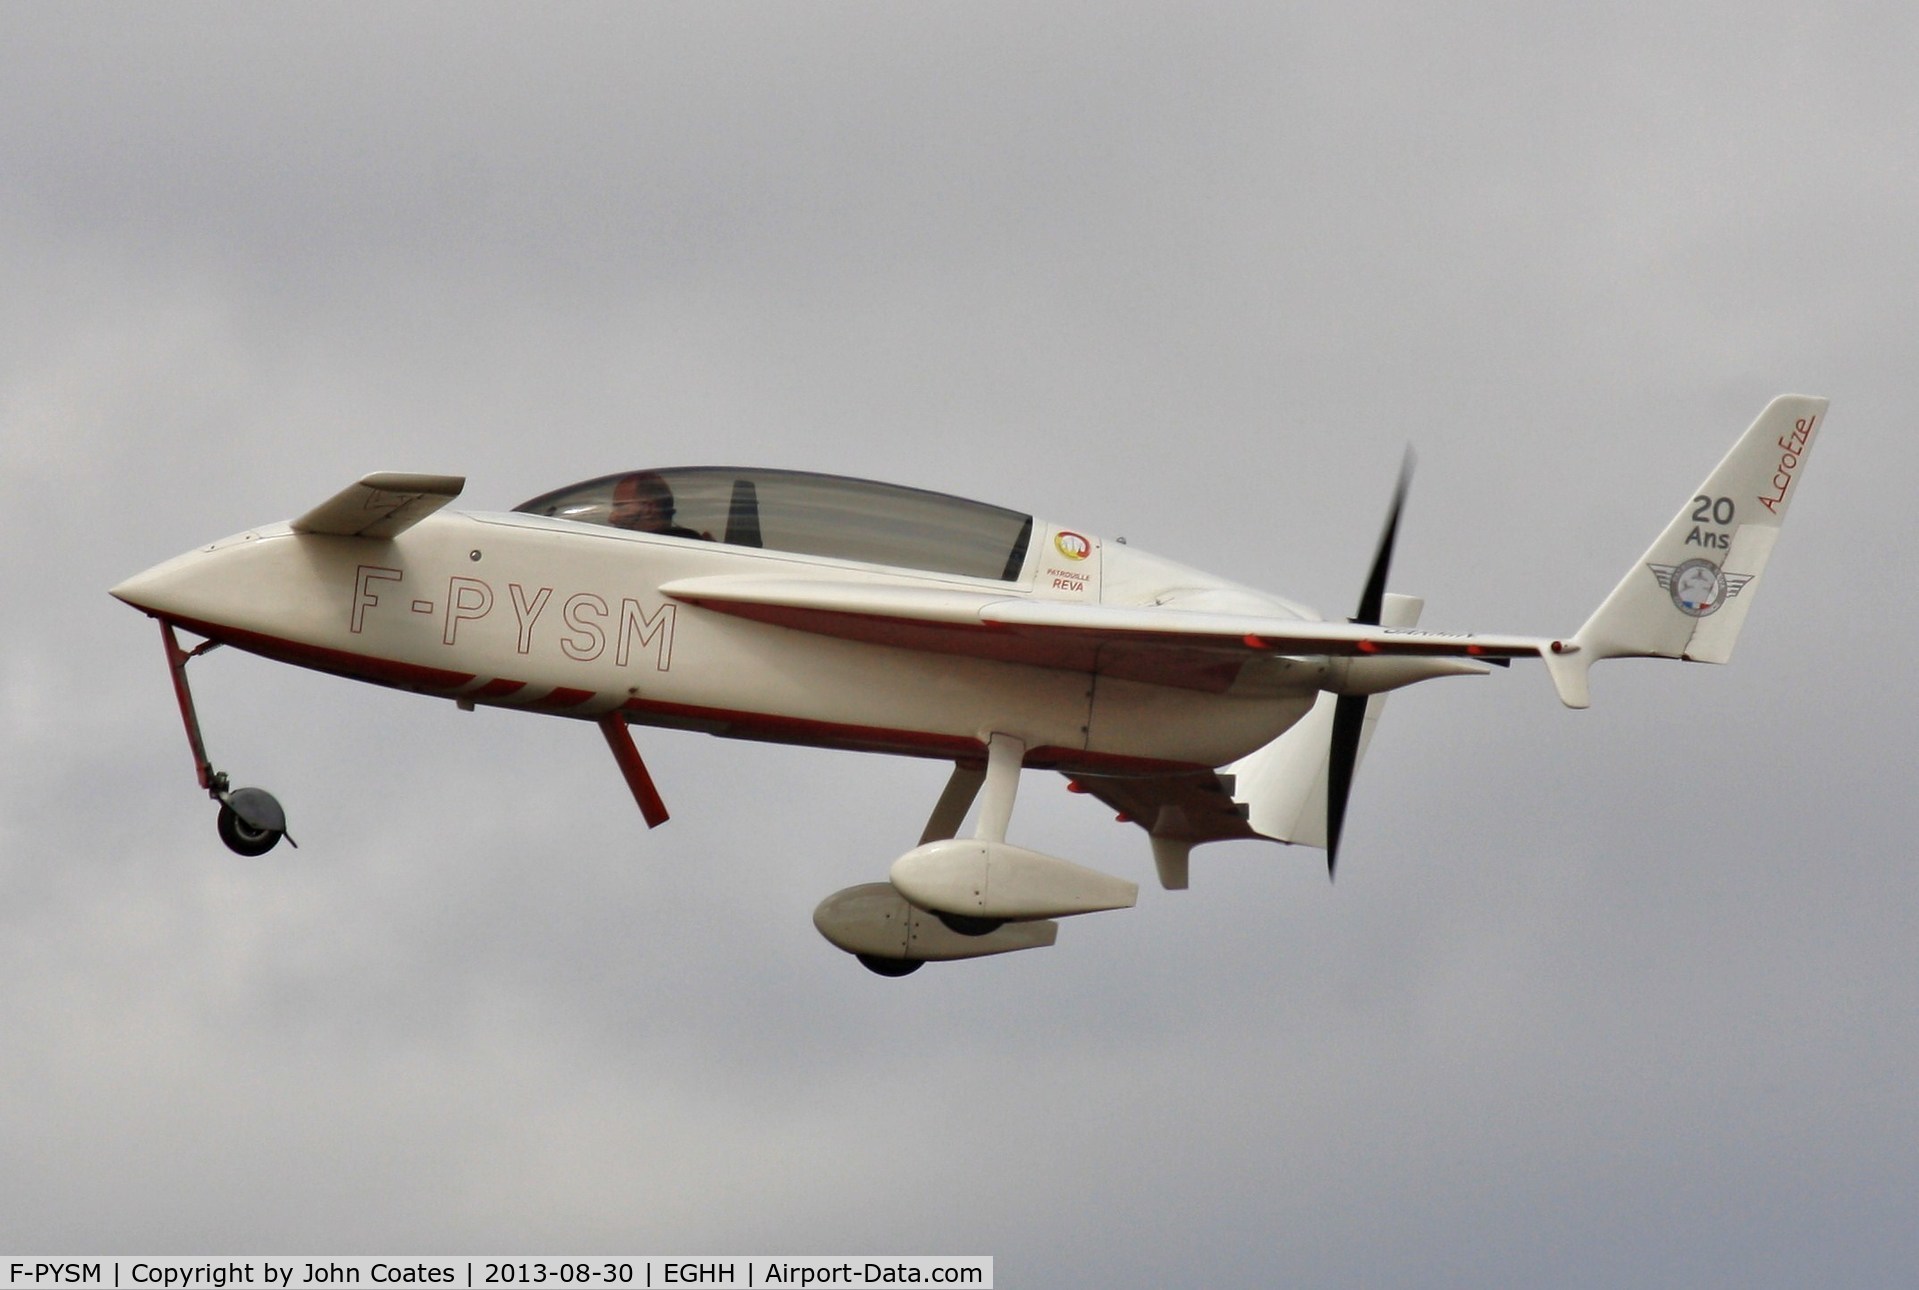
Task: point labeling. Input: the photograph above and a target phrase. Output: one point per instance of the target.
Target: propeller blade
(1349, 721)
(1374, 596)
(1349, 711)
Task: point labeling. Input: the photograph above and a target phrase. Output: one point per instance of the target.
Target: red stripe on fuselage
(762, 727)
(358, 667)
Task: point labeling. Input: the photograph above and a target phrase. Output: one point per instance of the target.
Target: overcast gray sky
(1615, 997)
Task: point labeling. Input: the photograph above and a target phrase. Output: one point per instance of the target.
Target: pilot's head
(643, 502)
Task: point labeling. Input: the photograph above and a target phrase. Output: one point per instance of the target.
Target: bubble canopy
(804, 514)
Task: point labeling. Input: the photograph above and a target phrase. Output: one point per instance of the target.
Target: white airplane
(841, 613)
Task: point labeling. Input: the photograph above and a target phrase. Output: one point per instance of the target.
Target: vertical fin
(1173, 856)
(1689, 595)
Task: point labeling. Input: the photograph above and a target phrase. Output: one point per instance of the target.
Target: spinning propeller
(1349, 710)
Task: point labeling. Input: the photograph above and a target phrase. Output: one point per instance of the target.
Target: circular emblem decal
(1072, 545)
(1698, 587)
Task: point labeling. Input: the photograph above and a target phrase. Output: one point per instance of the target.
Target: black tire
(968, 925)
(888, 967)
(242, 838)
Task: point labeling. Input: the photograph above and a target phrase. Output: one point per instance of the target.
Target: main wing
(1191, 649)
(1188, 648)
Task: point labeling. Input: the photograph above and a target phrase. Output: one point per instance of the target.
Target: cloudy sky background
(1616, 997)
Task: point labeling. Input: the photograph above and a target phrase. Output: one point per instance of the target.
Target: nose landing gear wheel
(251, 822)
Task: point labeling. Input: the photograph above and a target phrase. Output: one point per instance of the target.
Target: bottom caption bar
(297, 1272)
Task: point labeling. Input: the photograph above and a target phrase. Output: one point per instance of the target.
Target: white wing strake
(1175, 647)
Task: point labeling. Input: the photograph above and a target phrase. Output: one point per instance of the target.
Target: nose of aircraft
(175, 588)
(222, 583)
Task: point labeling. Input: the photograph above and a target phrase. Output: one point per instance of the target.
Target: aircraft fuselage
(525, 612)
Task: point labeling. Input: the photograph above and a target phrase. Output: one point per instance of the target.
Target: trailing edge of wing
(381, 505)
(1254, 633)
(1060, 634)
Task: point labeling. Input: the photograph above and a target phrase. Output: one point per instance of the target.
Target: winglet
(381, 505)
(1688, 596)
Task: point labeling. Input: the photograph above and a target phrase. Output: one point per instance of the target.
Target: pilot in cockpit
(643, 502)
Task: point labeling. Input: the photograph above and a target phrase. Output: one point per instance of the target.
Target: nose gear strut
(251, 820)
